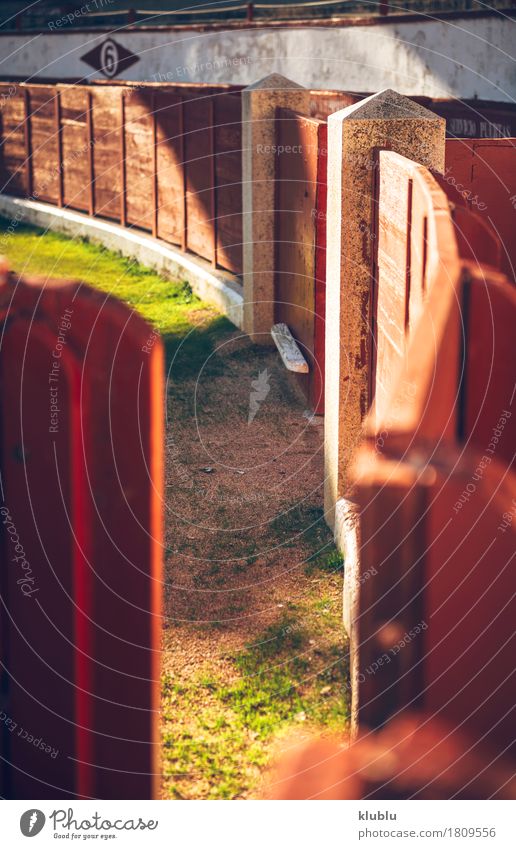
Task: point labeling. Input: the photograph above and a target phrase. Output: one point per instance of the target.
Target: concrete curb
(219, 288)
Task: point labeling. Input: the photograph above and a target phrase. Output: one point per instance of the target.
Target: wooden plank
(184, 227)
(154, 167)
(436, 621)
(228, 178)
(317, 377)
(470, 600)
(123, 169)
(213, 182)
(106, 119)
(297, 172)
(14, 165)
(46, 175)
(139, 159)
(391, 308)
(76, 148)
(169, 167)
(91, 162)
(199, 237)
(59, 137)
(489, 416)
(28, 142)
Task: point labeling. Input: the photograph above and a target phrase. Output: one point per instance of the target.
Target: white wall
(466, 58)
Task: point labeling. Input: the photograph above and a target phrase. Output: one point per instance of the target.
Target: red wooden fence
(300, 248)
(475, 119)
(435, 482)
(480, 175)
(81, 465)
(166, 159)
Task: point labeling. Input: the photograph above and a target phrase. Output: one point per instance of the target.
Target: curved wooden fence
(434, 478)
(166, 159)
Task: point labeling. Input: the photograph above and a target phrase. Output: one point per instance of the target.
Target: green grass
(190, 328)
(292, 678)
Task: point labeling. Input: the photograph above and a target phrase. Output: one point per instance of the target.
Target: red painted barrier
(480, 176)
(435, 480)
(81, 381)
(163, 158)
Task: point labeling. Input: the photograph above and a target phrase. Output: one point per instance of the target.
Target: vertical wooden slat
(154, 167)
(28, 143)
(123, 209)
(59, 138)
(184, 229)
(91, 142)
(317, 373)
(213, 172)
(408, 256)
(425, 254)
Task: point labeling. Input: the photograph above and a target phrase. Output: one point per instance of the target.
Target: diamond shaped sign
(110, 58)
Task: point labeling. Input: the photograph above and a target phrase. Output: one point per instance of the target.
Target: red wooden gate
(435, 480)
(81, 469)
(300, 261)
(480, 176)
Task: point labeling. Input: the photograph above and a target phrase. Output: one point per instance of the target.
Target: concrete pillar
(385, 120)
(259, 102)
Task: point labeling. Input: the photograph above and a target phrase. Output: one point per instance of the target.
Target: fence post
(390, 121)
(259, 102)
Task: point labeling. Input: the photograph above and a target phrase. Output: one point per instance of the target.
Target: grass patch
(292, 678)
(190, 328)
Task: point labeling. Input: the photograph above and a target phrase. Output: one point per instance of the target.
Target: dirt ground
(252, 577)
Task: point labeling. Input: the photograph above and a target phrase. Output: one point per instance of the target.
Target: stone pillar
(259, 102)
(385, 120)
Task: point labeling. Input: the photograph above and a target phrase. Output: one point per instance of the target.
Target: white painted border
(217, 287)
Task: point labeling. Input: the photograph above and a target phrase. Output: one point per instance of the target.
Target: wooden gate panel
(470, 604)
(489, 419)
(38, 588)
(481, 175)
(300, 198)
(437, 606)
(124, 470)
(88, 501)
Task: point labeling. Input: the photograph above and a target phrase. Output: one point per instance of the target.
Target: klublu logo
(31, 822)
